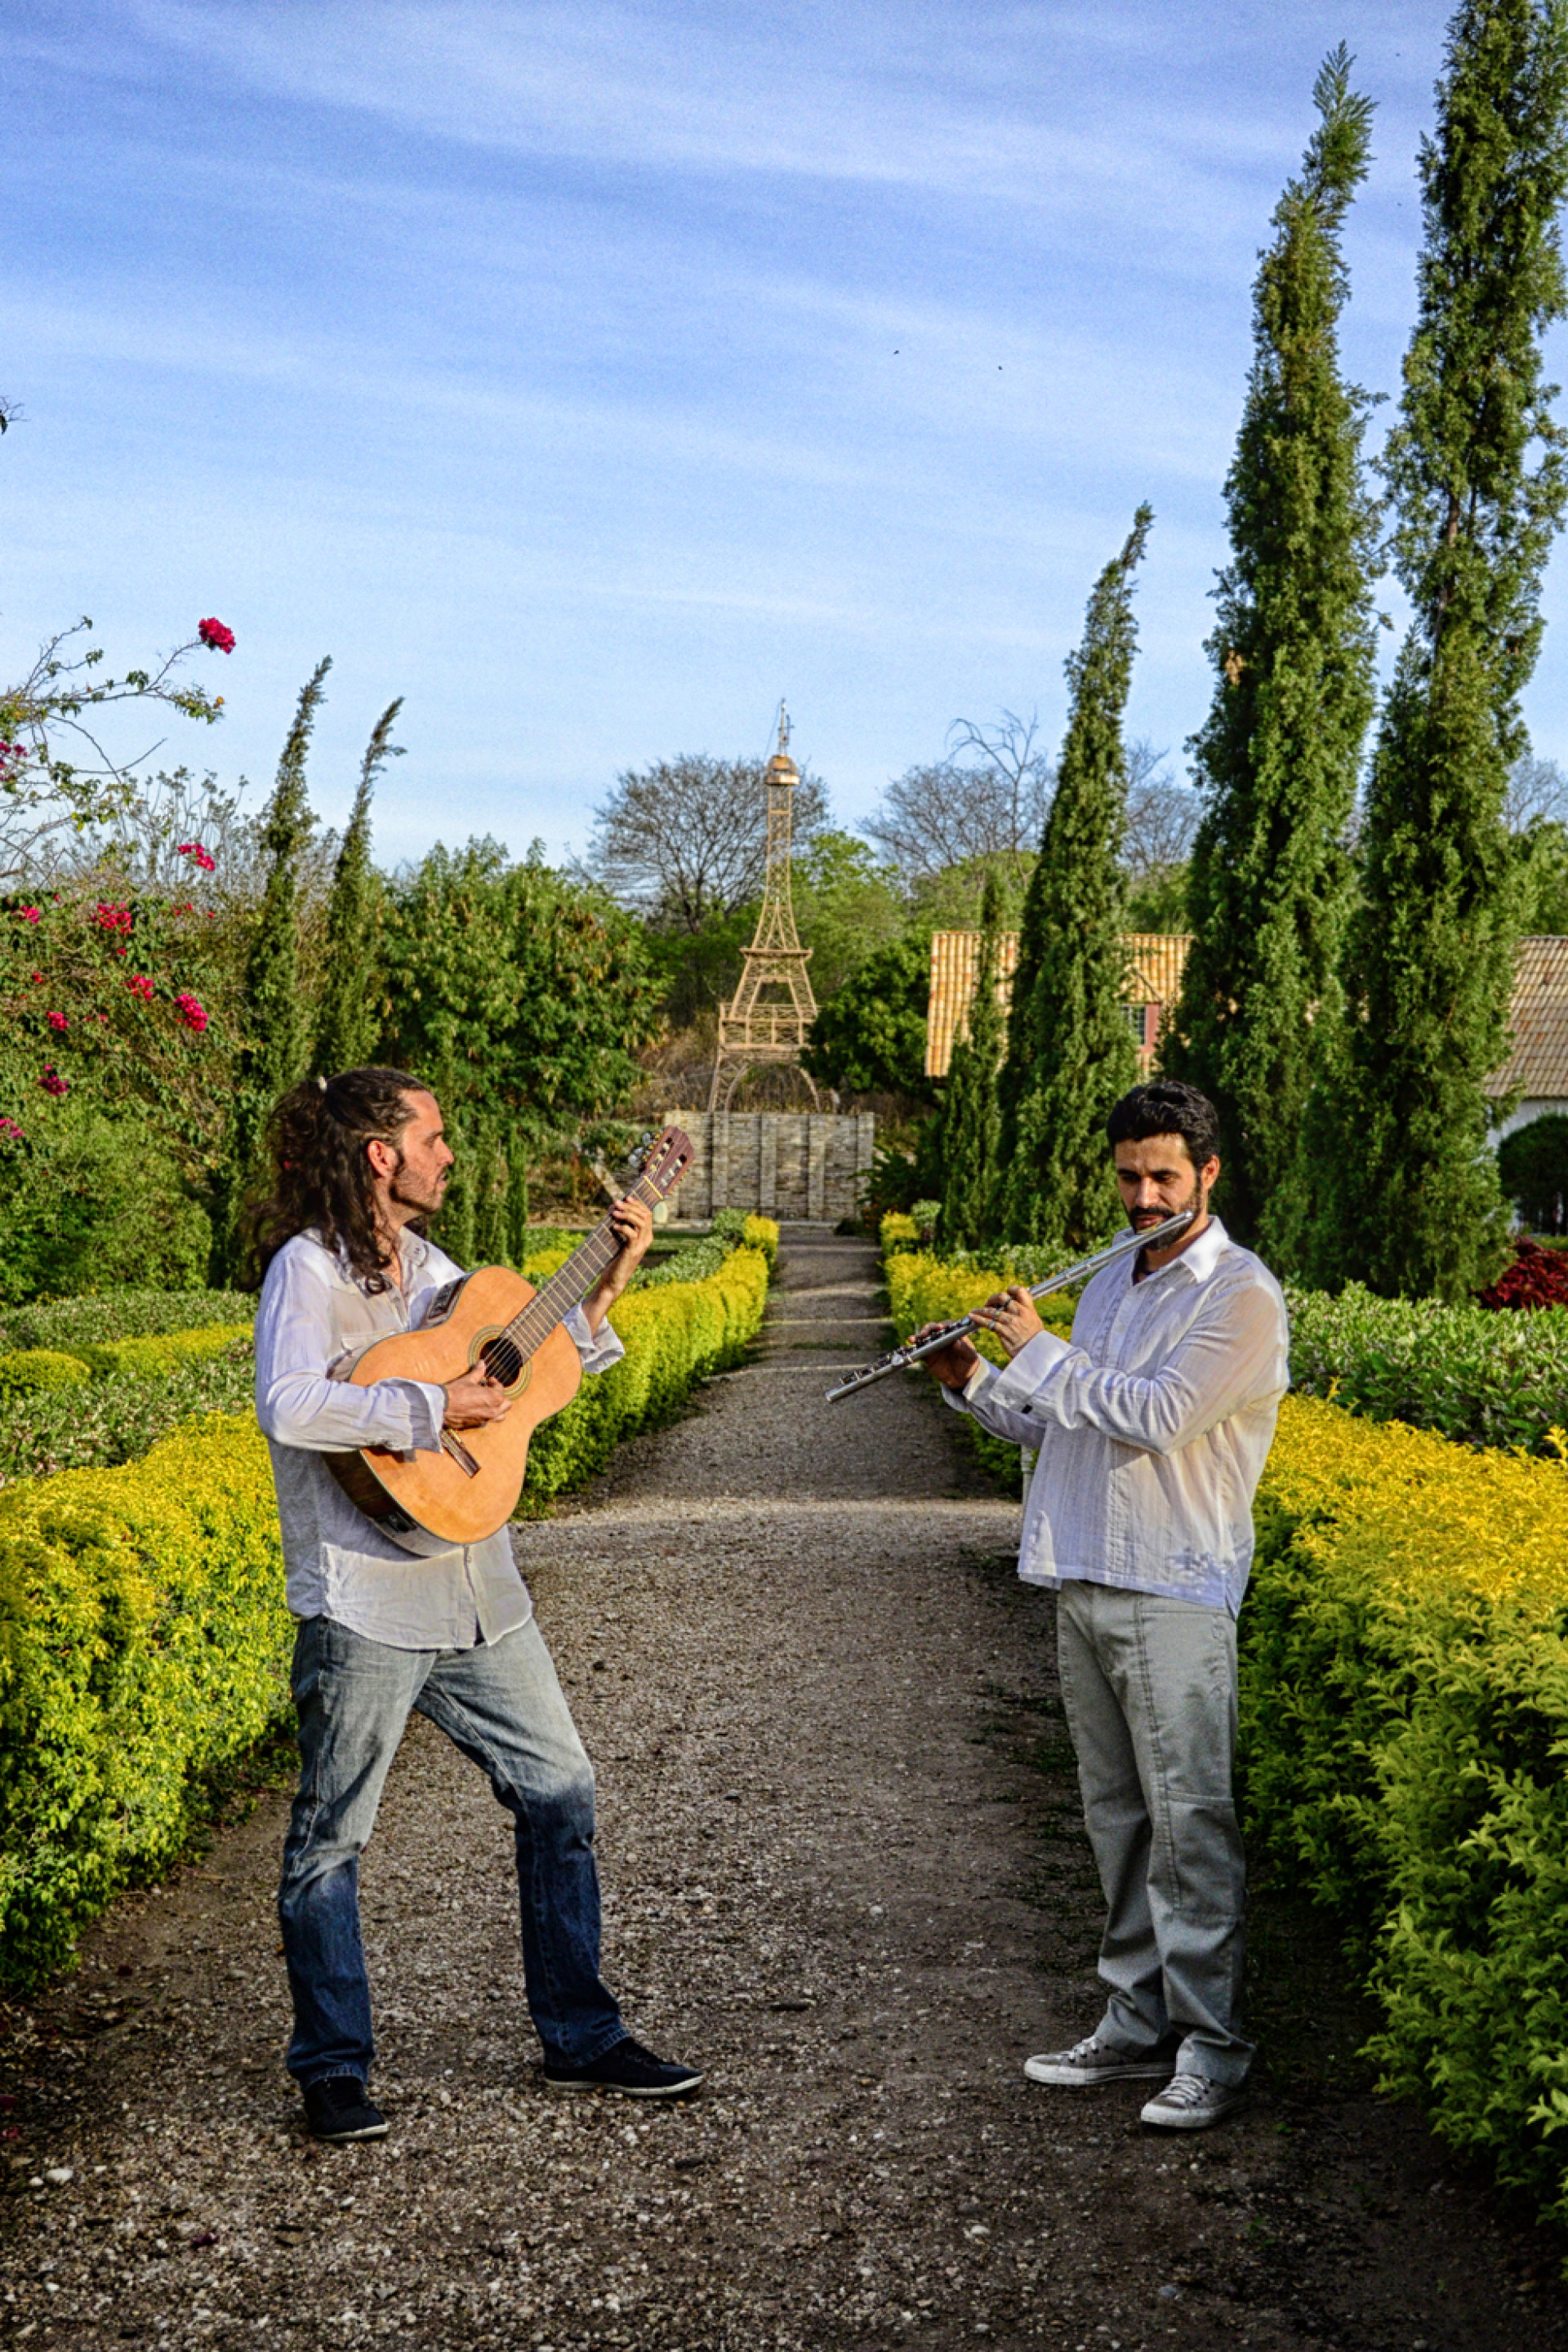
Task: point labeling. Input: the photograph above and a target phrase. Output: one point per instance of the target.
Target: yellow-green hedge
(142, 1360)
(674, 1337)
(1404, 1739)
(144, 1641)
(761, 1232)
(144, 1637)
(147, 1358)
(26, 1372)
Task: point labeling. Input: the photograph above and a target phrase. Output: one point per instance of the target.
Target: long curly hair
(321, 1175)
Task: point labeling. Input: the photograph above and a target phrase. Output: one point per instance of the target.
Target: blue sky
(591, 375)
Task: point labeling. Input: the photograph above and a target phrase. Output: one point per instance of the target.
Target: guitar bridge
(459, 1453)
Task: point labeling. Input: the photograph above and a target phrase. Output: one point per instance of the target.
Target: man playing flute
(1153, 1426)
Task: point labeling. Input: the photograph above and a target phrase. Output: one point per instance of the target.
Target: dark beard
(426, 1206)
(1193, 1205)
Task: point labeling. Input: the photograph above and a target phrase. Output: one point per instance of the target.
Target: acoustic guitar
(470, 1488)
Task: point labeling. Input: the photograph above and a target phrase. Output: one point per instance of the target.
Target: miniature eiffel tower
(770, 1013)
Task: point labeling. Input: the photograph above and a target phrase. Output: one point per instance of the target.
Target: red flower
(30, 914)
(53, 1084)
(140, 986)
(40, 978)
(112, 919)
(203, 858)
(214, 633)
(59, 1021)
(10, 1133)
(193, 1012)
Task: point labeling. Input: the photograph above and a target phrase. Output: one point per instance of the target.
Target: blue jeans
(503, 1706)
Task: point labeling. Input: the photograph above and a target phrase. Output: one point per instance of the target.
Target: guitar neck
(569, 1285)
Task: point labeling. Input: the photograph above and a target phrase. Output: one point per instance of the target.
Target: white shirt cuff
(1017, 1381)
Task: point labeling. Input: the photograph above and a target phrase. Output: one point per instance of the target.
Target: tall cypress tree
(273, 1055)
(1292, 649)
(972, 1116)
(1408, 1194)
(1069, 1048)
(347, 1020)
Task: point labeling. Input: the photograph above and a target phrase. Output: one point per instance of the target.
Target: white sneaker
(1091, 2061)
(1192, 2101)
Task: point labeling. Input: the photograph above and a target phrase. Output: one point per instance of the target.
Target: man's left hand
(631, 1222)
(1009, 1315)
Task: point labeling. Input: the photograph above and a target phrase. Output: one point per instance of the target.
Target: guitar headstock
(661, 1161)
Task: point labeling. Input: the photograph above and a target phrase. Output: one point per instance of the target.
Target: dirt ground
(844, 1871)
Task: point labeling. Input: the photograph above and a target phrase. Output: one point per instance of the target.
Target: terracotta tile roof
(1538, 1065)
(1157, 957)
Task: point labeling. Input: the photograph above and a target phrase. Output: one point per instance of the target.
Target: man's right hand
(474, 1399)
(954, 1365)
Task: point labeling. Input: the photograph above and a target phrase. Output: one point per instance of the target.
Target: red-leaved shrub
(1538, 1278)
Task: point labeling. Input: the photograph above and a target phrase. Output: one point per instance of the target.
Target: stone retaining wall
(788, 1164)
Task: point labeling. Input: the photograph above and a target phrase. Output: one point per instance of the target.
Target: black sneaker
(337, 2108)
(626, 2068)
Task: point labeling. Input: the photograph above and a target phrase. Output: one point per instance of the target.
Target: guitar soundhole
(503, 1361)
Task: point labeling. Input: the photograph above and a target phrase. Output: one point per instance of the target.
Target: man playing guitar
(389, 1626)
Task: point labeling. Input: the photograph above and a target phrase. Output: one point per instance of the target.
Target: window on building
(1135, 1020)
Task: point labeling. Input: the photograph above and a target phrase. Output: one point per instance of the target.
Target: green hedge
(144, 1641)
(72, 1324)
(1482, 1377)
(108, 1422)
(1404, 1725)
(26, 1371)
(143, 1638)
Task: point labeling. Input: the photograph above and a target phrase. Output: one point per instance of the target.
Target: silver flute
(913, 1350)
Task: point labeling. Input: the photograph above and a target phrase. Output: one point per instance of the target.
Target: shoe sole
(1089, 2078)
(1175, 2120)
(625, 2090)
(369, 2131)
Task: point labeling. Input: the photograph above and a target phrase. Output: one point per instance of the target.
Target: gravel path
(843, 1870)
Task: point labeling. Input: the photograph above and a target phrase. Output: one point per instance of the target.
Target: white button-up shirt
(1153, 1425)
(415, 1593)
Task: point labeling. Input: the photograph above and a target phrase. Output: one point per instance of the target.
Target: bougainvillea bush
(117, 1019)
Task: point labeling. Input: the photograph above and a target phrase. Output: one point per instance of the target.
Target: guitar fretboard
(567, 1289)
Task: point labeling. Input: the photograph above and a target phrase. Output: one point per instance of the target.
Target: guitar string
(567, 1289)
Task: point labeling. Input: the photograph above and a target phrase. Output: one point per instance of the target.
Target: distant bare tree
(688, 838)
(1161, 816)
(990, 797)
(1537, 794)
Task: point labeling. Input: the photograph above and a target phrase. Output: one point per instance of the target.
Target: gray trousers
(1149, 1686)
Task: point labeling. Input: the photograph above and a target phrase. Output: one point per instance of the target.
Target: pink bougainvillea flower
(31, 914)
(214, 633)
(140, 986)
(112, 919)
(192, 1011)
(203, 856)
(11, 1130)
(59, 1021)
(40, 978)
(53, 1084)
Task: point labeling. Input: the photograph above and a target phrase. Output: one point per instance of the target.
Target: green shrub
(72, 1324)
(155, 1358)
(675, 1334)
(1482, 1378)
(29, 1371)
(1403, 1722)
(1532, 1164)
(102, 1201)
(144, 1641)
(109, 1421)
